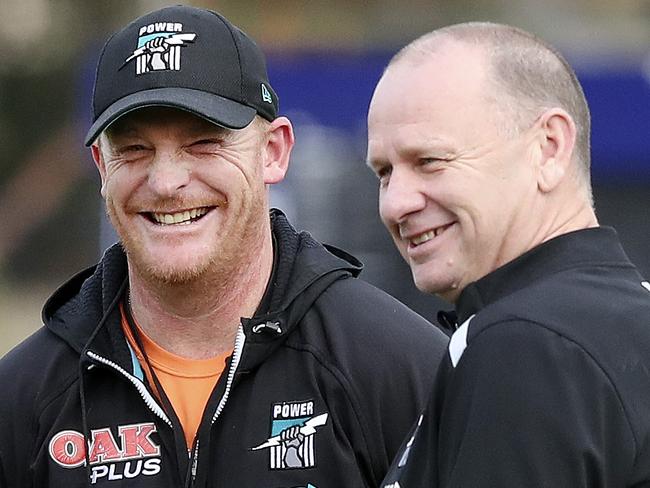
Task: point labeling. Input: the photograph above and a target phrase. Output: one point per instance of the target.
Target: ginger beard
(222, 254)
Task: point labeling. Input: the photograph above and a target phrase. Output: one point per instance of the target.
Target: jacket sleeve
(22, 379)
(3, 479)
(528, 407)
(14, 429)
(388, 356)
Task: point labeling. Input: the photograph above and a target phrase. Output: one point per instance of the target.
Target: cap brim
(218, 110)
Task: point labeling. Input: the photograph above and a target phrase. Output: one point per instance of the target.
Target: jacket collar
(303, 270)
(587, 247)
(84, 309)
(84, 312)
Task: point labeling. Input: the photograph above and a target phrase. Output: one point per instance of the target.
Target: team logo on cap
(293, 428)
(159, 47)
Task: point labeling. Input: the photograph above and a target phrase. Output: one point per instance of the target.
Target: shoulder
(376, 319)
(520, 358)
(37, 370)
(33, 376)
(366, 304)
(603, 312)
(375, 343)
(515, 356)
(518, 381)
(511, 336)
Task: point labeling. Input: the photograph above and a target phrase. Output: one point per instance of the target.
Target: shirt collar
(598, 245)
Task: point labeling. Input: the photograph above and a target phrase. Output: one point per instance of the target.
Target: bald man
(479, 136)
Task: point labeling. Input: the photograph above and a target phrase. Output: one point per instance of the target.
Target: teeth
(422, 238)
(441, 229)
(179, 217)
(427, 236)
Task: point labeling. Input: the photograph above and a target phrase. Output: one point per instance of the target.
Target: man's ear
(276, 152)
(557, 138)
(99, 162)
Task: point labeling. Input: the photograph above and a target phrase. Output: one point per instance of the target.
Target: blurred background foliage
(324, 58)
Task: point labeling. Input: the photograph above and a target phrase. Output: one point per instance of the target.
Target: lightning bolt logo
(292, 446)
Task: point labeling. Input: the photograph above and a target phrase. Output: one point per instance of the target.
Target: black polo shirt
(547, 379)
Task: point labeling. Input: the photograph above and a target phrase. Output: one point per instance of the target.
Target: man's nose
(400, 197)
(167, 174)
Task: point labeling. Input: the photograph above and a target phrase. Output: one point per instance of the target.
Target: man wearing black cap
(215, 345)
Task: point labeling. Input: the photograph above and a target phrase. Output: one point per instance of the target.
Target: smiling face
(457, 196)
(185, 196)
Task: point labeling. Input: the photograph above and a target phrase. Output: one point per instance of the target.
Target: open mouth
(186, 217)
(420, 239)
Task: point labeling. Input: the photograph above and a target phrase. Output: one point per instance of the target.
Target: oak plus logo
(159, 47)
(136, 453)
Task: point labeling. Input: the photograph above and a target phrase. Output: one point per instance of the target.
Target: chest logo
(136, 453)
(159, 47)
(293, 429)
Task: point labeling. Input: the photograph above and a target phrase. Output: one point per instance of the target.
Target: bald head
(526, 75)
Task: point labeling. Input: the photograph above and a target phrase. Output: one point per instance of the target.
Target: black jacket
(343, 363)
(547, 380)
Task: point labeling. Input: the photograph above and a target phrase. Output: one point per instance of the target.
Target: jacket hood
(301, 263)
(87, 304)
(84, 309)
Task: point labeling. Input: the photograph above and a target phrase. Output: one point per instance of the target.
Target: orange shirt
(188, 383)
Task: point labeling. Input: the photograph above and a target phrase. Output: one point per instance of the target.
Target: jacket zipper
(149, 400)
(236, 357)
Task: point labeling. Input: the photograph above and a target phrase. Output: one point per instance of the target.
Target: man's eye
(132, 148)
(383, 175)
(206, 144)
(434, 160)
(432, 164)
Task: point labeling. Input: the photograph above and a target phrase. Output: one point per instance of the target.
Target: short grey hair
(530, 76)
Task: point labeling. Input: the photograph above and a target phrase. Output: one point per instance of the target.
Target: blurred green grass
(20, 313)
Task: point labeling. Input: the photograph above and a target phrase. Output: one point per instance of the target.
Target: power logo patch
(159, 47)
(293, 430)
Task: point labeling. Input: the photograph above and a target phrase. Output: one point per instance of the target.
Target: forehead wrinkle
(418, 141)
(407, 142)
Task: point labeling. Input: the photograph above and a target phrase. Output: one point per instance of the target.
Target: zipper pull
(274, 326)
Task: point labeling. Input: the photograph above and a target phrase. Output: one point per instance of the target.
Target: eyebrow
(431, 145)
(376, 163)
(432, 148)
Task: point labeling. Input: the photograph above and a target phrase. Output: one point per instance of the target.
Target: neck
(575, 214)
(200, 319)
(527, 233)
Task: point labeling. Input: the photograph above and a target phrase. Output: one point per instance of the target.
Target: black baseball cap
(187, 58)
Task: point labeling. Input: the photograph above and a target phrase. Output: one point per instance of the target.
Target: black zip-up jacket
(547, 380)
(319, 391)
